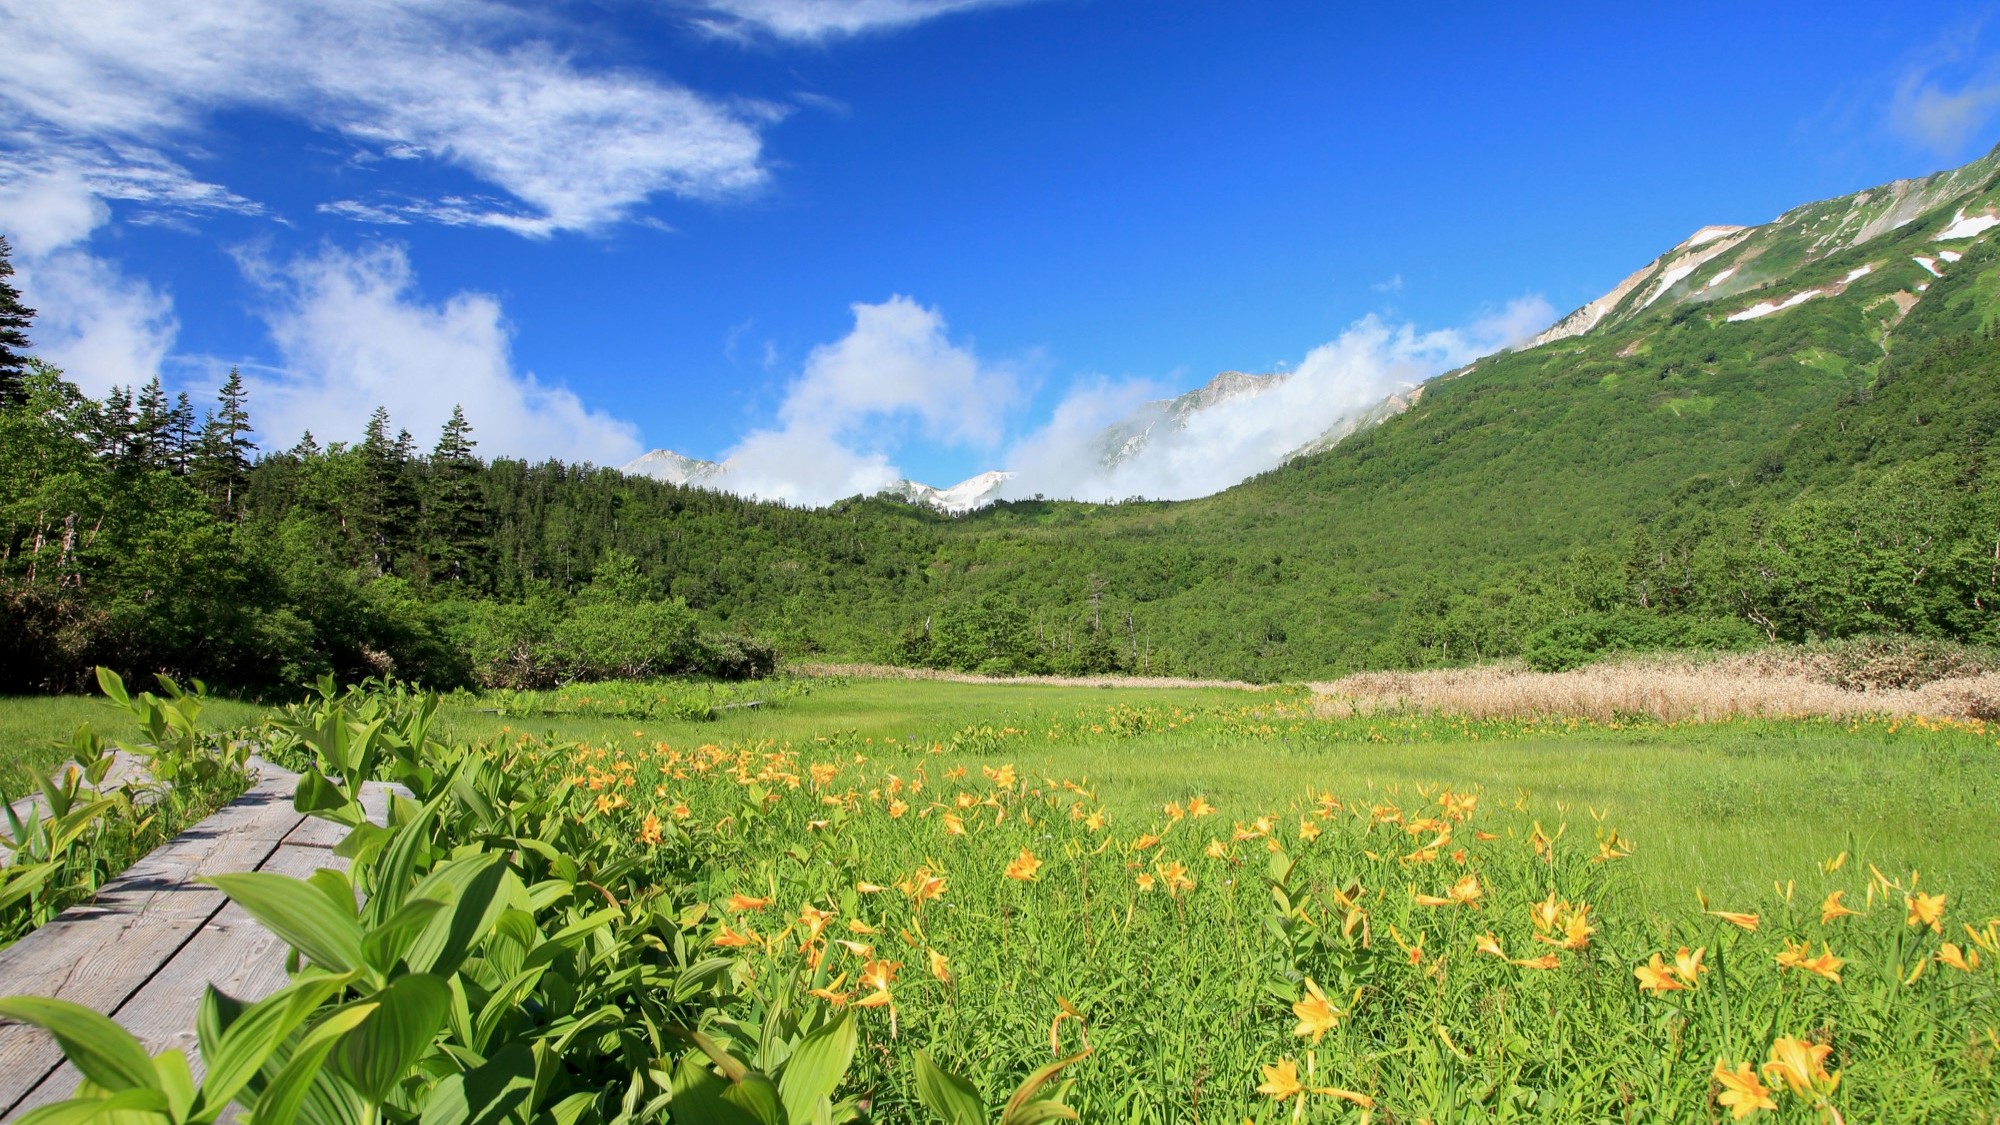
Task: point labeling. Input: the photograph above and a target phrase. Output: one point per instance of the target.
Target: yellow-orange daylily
(877, 976)
(740, 902)
(650, 833)
(1487, 943)
(1926, 910)
(1024, 866)
(730, 939)
(1316, 1015)
(1544, 962)
(1742, 1094)
(1688, 966)
(1797, 956)
(938, 967)
(1833, 908)
(1745, 921)
(1199, 806)
(1950, 954)
(1802, 1065)
(1281, 1081)
(1656, 976)
(954, 825)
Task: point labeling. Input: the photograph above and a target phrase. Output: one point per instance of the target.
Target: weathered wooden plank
(100, 953)
(233, 952)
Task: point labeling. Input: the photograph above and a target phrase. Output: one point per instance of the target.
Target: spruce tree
(182, 439)
(14, 320)
(388, 507)
(454, 509)
(114, 428)
(224, 464)
(150, 428)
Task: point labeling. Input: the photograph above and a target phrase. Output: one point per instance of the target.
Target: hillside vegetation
(1675, 476)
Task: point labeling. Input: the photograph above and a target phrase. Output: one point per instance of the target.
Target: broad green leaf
(237, 1049)
(319, 796)
(300, 913)
(126, 1105)
(470, 890)
(700, 1096)
(1010, 1115)
(106, 1053)
(946, 1094)
(486, 1094)
(281, 1099)
(379, 1052)
(757, 1096)
(816, 1067)
(112, 686)
(388, 942)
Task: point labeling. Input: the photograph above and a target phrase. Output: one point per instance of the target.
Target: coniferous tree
(14, 320)
(150, 427)
(114, 430)
(388, 507)
(182, 439)
(454, 509)
(224, 464)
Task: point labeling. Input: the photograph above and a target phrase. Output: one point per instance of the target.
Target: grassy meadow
(1725, 806)
(1245, 907)
(1440, 919)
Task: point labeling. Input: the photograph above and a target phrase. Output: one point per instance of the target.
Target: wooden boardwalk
(145, 950)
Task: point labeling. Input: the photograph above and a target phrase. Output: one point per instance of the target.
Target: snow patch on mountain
(1963, 227)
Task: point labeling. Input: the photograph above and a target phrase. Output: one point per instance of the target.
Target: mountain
(960, 498)
(691, 472)
(1784, 262)
(1124, 440)
(666, 465)
(1779, 430)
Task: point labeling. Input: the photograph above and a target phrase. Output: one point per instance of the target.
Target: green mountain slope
(1525, 479)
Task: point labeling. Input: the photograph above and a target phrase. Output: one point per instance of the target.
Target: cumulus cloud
(1335, 385)
(103, 328)
(815, 20)
(354, 334)
(462, 82)
(896, 374)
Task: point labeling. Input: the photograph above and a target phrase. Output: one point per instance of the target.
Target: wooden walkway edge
(145, 950)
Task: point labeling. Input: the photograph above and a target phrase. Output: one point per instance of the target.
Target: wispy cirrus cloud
(819, 20)
(472, 84)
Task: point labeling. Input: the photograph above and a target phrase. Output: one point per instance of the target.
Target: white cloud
(1226, 443)
(102, 328)
(464, 82)
(856, 399)
(354, 335)
(813, 20)
(1939, 117)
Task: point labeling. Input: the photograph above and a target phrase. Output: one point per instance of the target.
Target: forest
(1681, 484)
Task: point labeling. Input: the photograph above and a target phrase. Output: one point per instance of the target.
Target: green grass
(837, 797)
(35, 730)
(1186, 997)
(1727, 807)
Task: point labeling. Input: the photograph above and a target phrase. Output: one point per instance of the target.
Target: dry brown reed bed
(1668, 689)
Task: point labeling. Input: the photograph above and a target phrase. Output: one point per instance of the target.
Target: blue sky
(626, 224)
